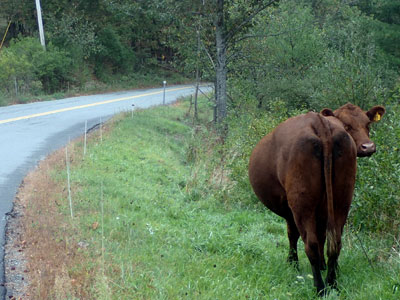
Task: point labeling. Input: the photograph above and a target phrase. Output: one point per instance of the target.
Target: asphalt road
(29, 132)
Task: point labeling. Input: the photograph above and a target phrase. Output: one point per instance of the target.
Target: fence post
(68, 181)
(84, 146)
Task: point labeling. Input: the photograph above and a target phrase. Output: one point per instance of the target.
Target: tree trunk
(221, 70)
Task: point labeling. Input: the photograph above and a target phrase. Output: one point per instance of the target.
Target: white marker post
(84, 145)
(164, 84)
(101, 130)
(68, 181)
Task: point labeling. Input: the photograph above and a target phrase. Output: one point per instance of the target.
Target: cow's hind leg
(334, 246)
(321, 235)
(333, 256)
(293, 235)
(307, 226)
(344, 164)
(304, 190)
(312, 249)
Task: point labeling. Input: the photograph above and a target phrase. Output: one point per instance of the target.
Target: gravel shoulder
(16, 270)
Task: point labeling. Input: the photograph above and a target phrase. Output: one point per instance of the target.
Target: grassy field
(149, 223)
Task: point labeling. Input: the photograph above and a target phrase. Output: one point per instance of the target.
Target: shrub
(53, 68)
(112, 56)
(28, 69)
(16, 67)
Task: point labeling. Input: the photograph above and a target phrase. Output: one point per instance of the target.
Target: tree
(385, 26)
(223, 21)
(21, 13)
(227, 27)
(221, 64)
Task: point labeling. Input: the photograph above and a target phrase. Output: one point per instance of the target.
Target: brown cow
(305, 171)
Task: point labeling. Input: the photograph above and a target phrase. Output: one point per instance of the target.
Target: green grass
(168, 234)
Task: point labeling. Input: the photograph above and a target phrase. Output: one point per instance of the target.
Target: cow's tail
(326, 137)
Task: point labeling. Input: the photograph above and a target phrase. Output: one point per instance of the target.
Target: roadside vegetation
(163, 210)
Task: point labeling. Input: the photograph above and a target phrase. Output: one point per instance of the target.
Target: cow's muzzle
(366, 149)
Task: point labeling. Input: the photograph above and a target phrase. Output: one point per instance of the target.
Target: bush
(53, 68)
(28, 69)
(112, 56)
(16, 67)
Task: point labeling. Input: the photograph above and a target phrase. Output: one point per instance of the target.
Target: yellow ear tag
(377, 117)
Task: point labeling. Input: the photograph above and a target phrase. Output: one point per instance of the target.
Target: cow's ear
(376, 113)
(327, 112)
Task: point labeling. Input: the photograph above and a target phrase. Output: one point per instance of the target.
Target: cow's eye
(347, 127)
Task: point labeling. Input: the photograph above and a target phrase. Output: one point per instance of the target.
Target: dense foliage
(307, 53)
(314, 59)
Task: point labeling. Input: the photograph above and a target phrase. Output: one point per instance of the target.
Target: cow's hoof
(322, 292)
(293, 260)
(333, 285)
(322, 265)
(294, 263)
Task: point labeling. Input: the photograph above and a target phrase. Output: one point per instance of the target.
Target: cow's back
(278, 153)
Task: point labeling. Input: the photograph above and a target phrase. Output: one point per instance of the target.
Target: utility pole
(40, 24)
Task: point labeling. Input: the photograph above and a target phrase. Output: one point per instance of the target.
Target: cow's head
(356, 122)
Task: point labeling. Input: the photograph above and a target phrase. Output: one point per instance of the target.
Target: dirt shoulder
(28, 227)
(39, 245)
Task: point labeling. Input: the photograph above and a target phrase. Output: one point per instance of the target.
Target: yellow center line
(87, 105)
